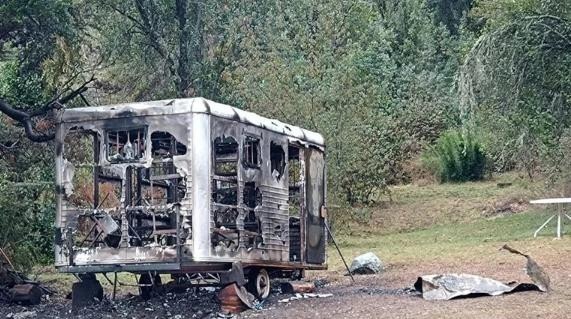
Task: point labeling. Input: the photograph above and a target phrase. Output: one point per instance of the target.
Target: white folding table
(558, 214)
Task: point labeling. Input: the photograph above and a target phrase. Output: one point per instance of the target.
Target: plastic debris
(304, 296)
(449, 286)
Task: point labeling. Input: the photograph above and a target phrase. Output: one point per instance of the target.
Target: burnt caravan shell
(185, 186)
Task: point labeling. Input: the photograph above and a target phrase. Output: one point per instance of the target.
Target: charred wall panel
(315, 192)
(128, 204)
(250, 208)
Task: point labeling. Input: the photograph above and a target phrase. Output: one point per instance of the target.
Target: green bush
(456, 157)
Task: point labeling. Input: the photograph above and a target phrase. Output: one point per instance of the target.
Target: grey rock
(366, 264)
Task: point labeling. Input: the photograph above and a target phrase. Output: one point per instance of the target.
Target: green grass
(441, 222)
(414, 207)
(442, 242)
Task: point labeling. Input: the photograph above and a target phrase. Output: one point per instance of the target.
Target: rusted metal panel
(234, 299)
(298, 287)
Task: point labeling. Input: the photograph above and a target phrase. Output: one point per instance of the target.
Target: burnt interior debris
(251, 152)
(164, 145)
(294, 201)
(277, 160)
(130, 205)
(128, 192)
(225, 156)
(125, 145)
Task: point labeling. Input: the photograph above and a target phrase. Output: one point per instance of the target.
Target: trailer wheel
(259, 283)
(148, 286)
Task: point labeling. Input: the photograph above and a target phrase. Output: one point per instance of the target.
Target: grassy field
(448, 242)
(445, 222)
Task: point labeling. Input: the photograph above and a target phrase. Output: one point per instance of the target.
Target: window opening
(80, 150)
(252, 198)
(225, 156)
(277, 160)
(294, 181)
(126, 145)
(164, 145)
(251, 152)
(79, 147)
(225, 192)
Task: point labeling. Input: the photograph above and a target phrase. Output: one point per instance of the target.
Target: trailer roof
(188, 105)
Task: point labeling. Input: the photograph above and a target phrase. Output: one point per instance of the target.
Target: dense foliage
(515, 82)
(456, 157)
(383, 81)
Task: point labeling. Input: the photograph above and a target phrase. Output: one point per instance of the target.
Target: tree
(157, 49)
(303, 62)
(40, 70)
(514, 84)
(39, 43)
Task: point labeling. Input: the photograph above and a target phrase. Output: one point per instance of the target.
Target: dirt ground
(384, 295)
(381, 296)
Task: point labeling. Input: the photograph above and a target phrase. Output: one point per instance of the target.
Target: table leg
(541, 227)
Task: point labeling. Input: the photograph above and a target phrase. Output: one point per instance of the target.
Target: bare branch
(26, 119)
(57, 102)
(125, 14)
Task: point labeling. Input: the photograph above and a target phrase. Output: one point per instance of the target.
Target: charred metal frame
(186, 186)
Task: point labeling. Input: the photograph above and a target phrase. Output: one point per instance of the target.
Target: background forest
(403, 91)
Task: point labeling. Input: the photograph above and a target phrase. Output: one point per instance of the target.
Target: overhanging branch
(26, 119)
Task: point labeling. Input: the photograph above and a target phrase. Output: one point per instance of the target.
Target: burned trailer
(188, 187)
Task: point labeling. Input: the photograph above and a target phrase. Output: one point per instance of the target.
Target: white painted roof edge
(188, 105)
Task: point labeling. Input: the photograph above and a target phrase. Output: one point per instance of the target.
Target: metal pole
(339, 251)
(541, 227)
(114, 285)
(559, 225)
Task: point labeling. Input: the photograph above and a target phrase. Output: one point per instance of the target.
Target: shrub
(456, 157)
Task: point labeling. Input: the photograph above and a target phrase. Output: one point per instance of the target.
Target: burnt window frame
(230, 184)
(281, 169)
(246, 153)
(144, 128)
(177, 147)
(216, 161)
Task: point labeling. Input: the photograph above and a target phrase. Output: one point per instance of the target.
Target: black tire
(259, 283)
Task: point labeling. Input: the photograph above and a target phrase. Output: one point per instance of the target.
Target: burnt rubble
(15, 287)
